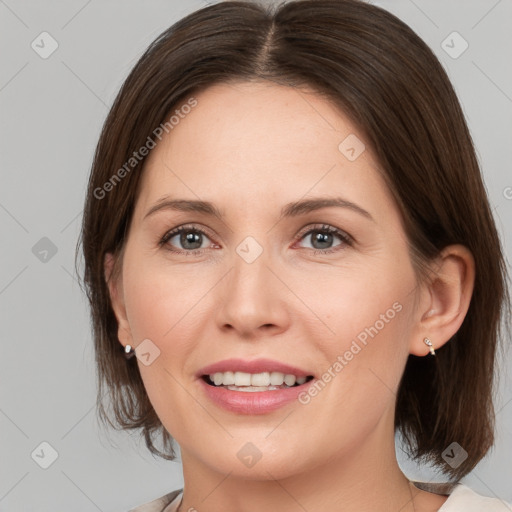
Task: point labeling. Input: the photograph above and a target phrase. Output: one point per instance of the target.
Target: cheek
(363, 368)
(369, 316)
(149, 306)
(369, 352)
(161, 299)
(362, 303)
(166, 305)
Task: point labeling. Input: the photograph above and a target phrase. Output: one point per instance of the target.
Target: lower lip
(253, 402)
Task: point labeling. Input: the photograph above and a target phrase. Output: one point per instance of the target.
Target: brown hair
(392, 87)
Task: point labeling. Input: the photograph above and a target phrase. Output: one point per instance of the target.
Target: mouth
(257, 386)
(255, 382)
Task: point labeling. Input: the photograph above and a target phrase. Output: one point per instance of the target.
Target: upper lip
(253, 366)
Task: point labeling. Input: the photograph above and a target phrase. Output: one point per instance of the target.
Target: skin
(250, 148)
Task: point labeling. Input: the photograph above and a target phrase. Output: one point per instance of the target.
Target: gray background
(52, 111)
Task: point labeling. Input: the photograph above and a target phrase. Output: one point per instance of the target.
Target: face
(320, 291)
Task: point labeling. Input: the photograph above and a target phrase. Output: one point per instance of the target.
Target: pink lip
(258, 402)
(255, 366)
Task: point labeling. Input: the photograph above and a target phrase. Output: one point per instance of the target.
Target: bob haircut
(373, 67)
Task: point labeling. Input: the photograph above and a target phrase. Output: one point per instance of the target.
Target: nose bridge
(250, 273)
(250, 249)
(250, 298)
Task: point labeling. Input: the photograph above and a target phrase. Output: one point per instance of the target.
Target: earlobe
(445, 300)
(115, 288)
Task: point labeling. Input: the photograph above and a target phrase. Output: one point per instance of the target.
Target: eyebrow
(293, 209)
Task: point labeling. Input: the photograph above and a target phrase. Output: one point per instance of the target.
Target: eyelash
(346, 239)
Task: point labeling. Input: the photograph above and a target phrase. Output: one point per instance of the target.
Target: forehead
(257, 141)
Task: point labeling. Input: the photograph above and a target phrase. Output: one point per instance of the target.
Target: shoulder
(159, 504)
(464, 499)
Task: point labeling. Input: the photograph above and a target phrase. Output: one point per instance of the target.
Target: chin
(258, 460)
(262, 470)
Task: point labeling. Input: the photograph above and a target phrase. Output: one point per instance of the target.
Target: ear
(445, 300)
(115, 287)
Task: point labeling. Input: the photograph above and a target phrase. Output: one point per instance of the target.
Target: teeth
(260, 379)
(276, 378)
(255, 380)
(252, 389)
(242, 379)
(228, 378)
(289, 380)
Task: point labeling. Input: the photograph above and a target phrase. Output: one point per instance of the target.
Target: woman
(286, 224)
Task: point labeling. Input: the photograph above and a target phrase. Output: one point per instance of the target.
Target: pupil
(322, 238)
(191, 238)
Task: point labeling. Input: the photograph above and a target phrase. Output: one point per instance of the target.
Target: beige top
(461, 499)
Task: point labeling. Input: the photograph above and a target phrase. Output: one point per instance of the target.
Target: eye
(193, 239)
(323, 236)
(190, 238)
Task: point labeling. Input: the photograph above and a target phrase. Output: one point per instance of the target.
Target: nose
(253, 301)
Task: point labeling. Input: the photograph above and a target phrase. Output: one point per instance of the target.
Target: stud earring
(129, 351)
(431, 347)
